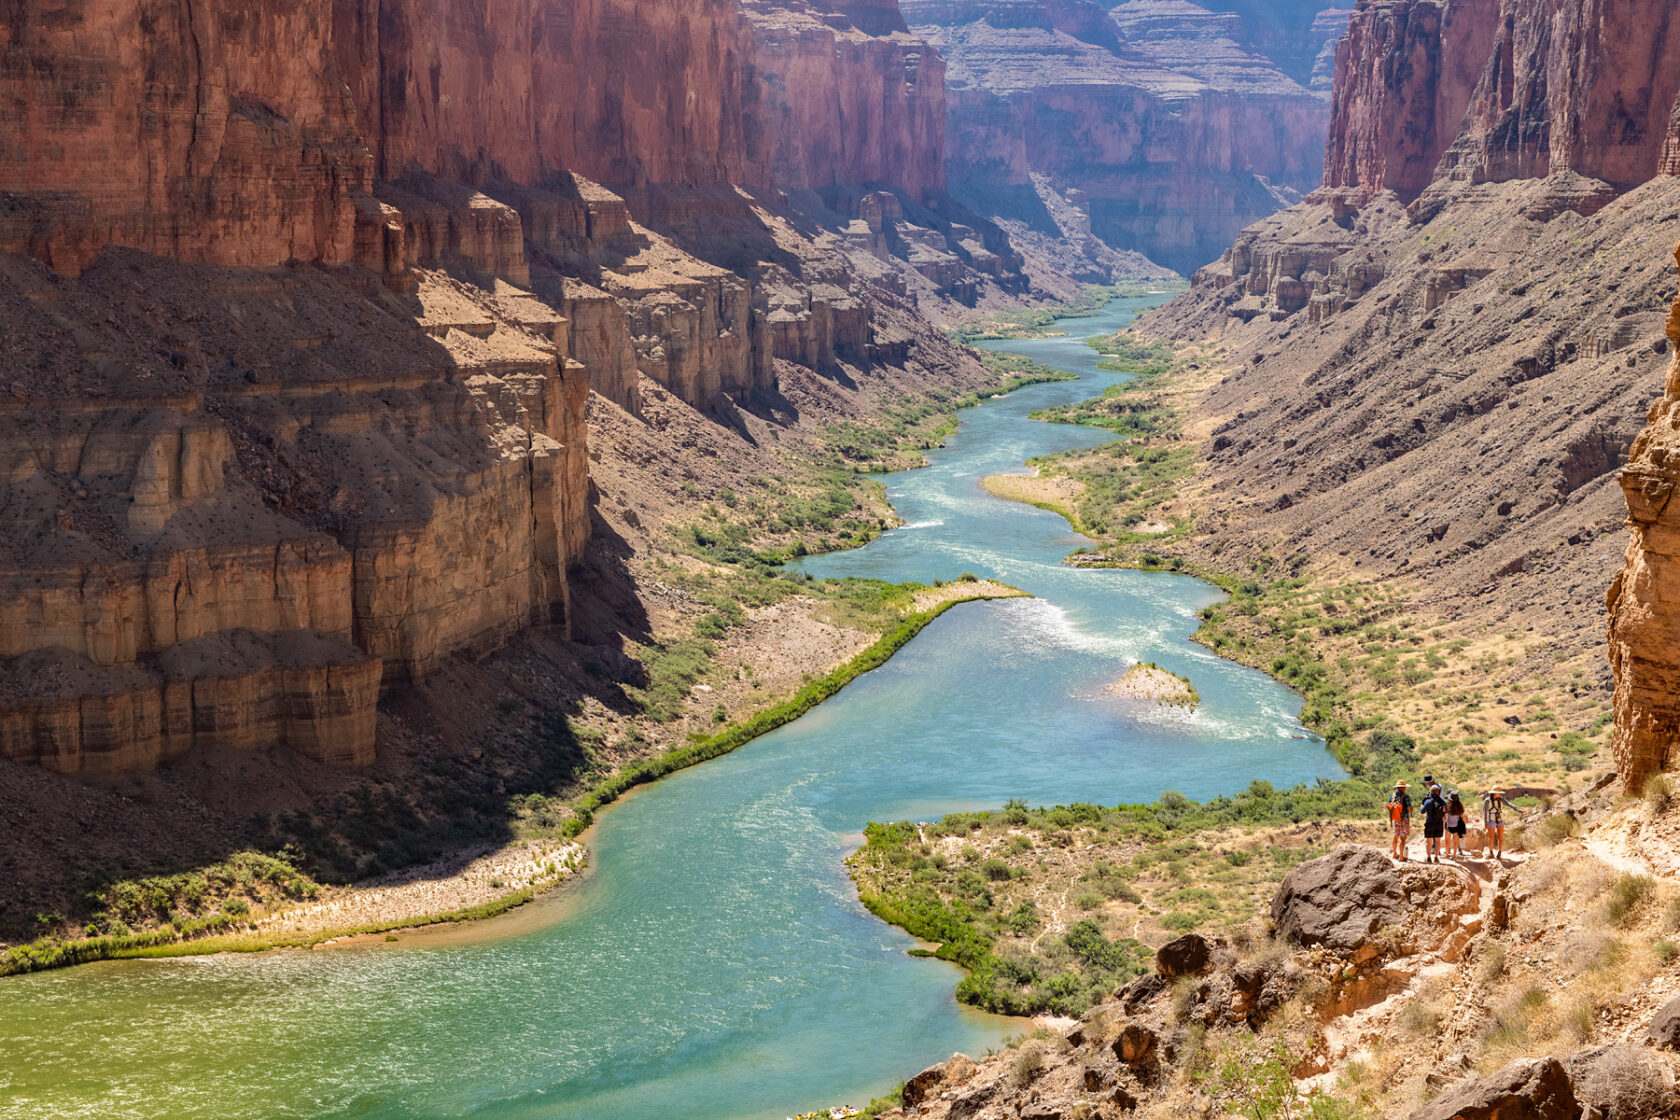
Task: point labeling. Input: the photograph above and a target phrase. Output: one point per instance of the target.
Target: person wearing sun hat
(1493, 819)
(1400, 820)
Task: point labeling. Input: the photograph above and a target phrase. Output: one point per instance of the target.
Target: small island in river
(1148, 681)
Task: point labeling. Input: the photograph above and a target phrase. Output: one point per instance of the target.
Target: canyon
(359, 355)
(303, 336)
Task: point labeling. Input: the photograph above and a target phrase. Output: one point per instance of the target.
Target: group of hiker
(1444, 819)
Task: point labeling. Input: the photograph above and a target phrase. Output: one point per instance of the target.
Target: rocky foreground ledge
(1532, 989)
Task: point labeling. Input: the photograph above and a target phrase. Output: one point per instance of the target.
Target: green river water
(715, 963)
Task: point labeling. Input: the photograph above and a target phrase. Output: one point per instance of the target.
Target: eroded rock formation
(238, 509)
(1644, 617)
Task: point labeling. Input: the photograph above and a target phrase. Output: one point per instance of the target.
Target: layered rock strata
(247, 545)
(207, 135)
(1491, 90)
(1644, 619)
(241, 504)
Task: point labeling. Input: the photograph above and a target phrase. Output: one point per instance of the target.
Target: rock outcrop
(1644, 632)
(1340, 900)
(1175, 128)
(1531, 1088)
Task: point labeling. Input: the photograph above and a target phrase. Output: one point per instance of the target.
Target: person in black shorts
(1456, 827)
(1434, 809)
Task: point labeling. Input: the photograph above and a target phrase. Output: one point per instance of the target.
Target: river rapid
(715, 963)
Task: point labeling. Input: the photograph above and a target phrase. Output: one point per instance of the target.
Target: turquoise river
(715, 964)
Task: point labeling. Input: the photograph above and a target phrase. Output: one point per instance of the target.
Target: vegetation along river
(716, 963)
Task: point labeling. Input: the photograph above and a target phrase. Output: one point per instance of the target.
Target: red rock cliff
(228, 135)
(243, 501)
(1492, 90)
(838, 105)
(1404, 76)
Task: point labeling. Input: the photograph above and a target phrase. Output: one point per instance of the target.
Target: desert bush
(1420, 1018)
(1555, 829)
(1626, 1083)
(1028, 1064)
(1658, 794)
(1627, 895)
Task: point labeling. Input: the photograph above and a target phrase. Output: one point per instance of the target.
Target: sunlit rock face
(1644, 601)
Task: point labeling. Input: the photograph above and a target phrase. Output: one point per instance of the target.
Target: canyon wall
(242, 504)
(239, 137)
(1644, 630)
(1491, 90)
(1166, 124)
(1440, 360)
(307, 305)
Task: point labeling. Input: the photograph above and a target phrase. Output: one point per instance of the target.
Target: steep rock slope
(1160, 120)
(1643, 617)
(1440, 360)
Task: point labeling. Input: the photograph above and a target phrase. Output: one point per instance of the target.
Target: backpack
(1396, 809)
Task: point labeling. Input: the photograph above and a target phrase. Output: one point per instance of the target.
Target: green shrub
(1627, 894)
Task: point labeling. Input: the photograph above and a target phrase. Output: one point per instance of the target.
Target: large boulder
(1664, 1031)
(1340, 900)
(1183, 956)
(1530, 1089)
(1138, 1045)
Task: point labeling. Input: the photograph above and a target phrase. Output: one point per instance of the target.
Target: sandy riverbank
(1057, 493)
(477, 878)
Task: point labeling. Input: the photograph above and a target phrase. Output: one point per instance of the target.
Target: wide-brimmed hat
(1399, 785)
(1497, 792)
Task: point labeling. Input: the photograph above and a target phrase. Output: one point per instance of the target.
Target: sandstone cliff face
(1404, 77)
(1176, 130)
(229, 137)
(195, 132)
(236, 537)
(1644, 629)
(844, 101)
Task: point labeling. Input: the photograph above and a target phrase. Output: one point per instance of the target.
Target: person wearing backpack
(1400, 820)
(1493, 819)
(1434, 809)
